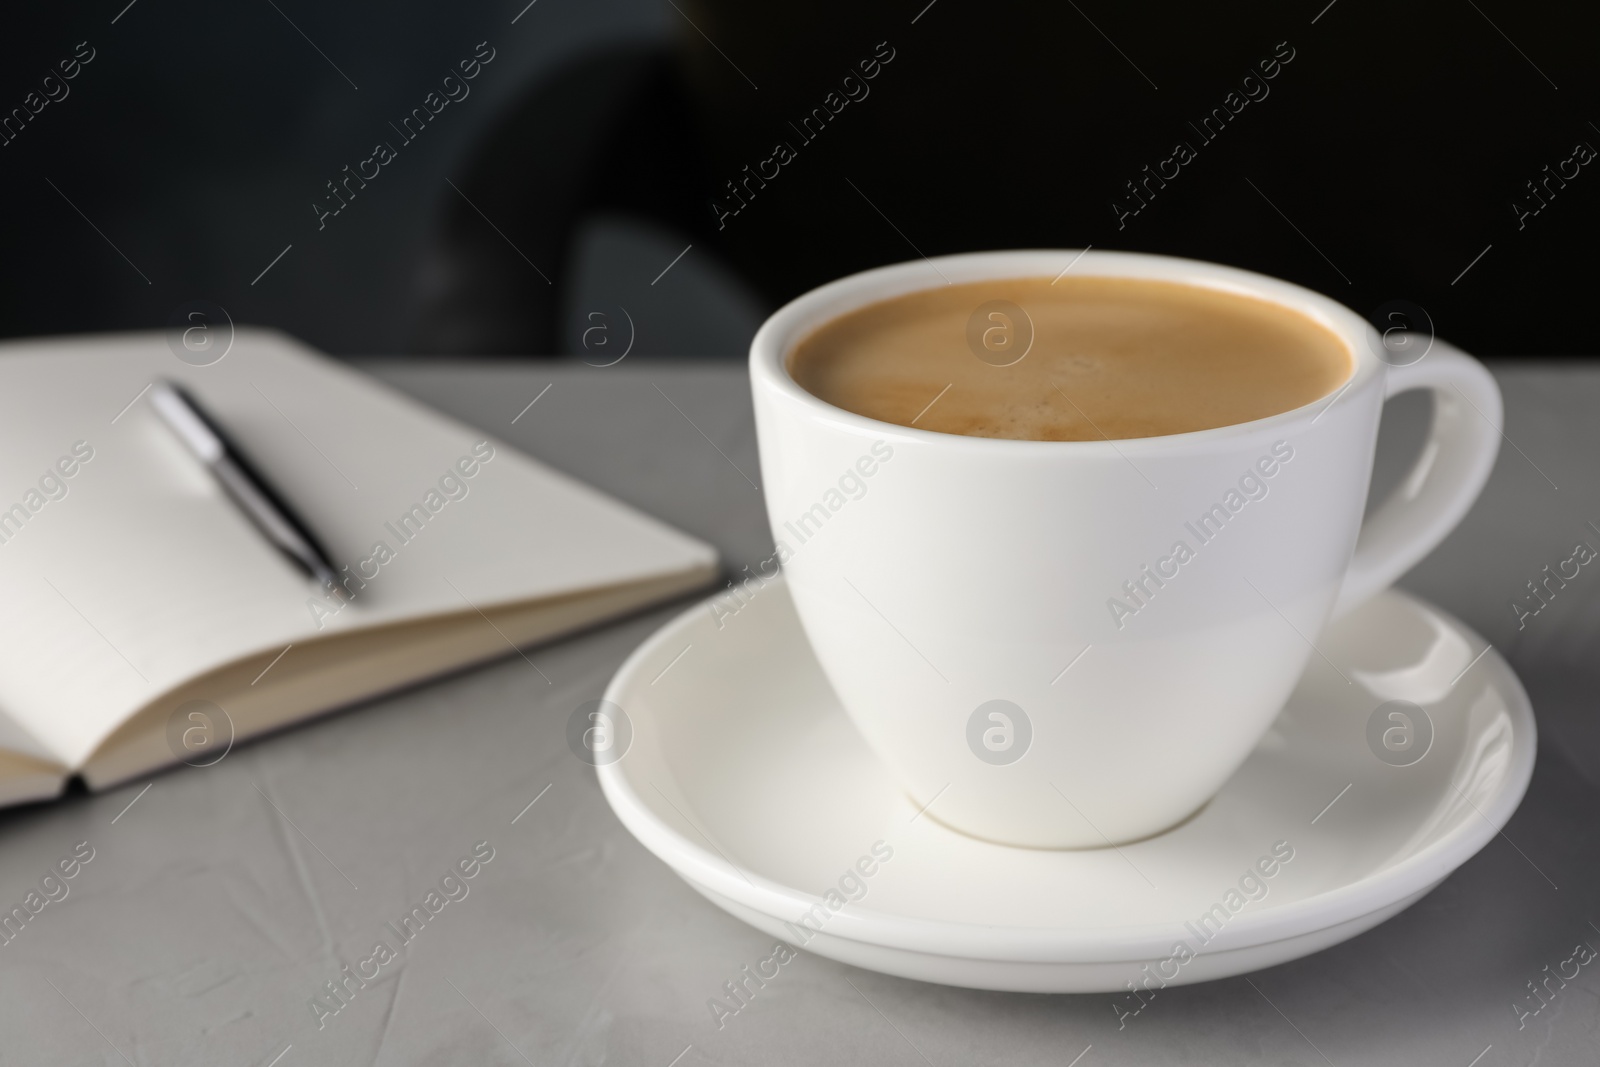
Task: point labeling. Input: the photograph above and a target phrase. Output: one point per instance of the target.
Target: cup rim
(783, 328)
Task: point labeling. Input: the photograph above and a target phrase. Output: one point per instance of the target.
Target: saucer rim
(1037, 944)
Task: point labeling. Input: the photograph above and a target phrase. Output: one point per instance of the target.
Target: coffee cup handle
(1445, 480)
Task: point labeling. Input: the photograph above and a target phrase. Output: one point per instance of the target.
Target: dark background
(189, 153)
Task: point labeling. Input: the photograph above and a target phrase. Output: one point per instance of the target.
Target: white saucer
(744, 775)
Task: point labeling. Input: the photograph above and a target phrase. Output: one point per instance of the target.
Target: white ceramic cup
(961, 593)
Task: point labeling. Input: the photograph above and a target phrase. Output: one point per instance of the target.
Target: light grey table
(217, 905)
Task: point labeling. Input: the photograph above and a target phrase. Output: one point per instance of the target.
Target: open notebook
(131, 585)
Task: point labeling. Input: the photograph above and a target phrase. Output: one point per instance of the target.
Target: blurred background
(501, 179)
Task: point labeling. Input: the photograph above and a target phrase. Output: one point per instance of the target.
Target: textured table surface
(220, 903)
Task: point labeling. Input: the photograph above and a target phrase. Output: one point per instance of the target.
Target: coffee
(1082, 358)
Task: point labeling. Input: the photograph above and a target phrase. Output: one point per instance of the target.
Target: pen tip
(330, 585)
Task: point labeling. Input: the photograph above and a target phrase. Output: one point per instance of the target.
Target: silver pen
(243, 483)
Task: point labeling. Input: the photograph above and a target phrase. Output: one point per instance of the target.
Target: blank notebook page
(136, 573)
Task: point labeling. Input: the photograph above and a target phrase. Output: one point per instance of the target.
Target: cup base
(1076, 844)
